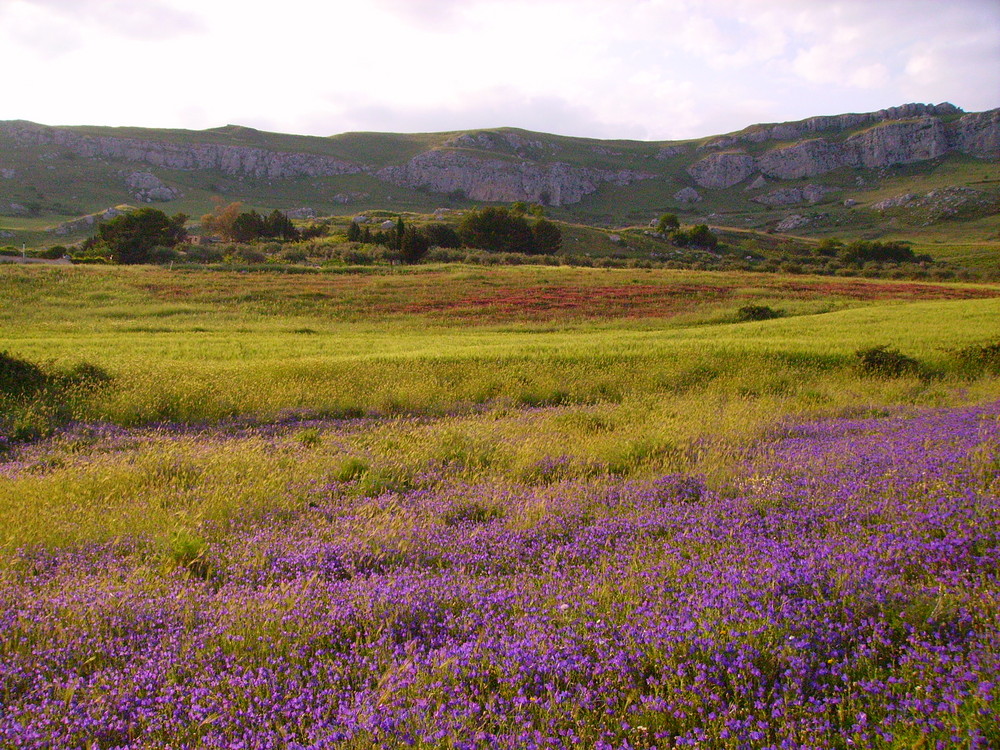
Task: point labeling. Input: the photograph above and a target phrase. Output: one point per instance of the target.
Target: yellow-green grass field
(605, 372)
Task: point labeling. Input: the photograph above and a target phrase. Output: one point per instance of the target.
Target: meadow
(460, 507)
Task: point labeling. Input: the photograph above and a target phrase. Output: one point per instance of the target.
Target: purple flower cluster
(843, 593)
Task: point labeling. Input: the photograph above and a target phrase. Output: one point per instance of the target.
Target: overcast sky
(646, 69)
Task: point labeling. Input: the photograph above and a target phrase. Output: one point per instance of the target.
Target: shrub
(496, 229)
(53, 253)
(883, 362)
(85, 374)
(979, 358)
(471, 513)
(202, 253)
(351, 469)
(249, 254)
(309, 437)
(756, 312)
(18, 377)
(190, 553)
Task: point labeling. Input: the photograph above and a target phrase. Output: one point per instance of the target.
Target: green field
(201, 346)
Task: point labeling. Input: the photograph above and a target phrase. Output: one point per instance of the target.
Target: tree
(893, 251)
(701, 236)
(399, 232)
(413, 245)
(278, 225)
(248, 227)
(442, 235)
(548, 238)
(222, 218)
(697, 236)
(667, 224)
(132, 237)
(497, 229)
(353, 232)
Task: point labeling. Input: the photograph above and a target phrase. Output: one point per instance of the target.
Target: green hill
(927, 173)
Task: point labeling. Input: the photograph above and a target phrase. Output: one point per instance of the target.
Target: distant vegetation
(492, 235)
(143, 236)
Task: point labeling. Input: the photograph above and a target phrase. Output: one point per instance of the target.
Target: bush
(18, 377)
(756, 312)
(442, 235)
(190, 553)
(883, 362)
(53, 253)
(86, 374)
(249, 254)
(977, 359)
(496, 229)
(202, 253)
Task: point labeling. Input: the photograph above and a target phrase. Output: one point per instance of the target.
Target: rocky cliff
(233, 160)
(446, 171)
(793, 131)
(881, 145)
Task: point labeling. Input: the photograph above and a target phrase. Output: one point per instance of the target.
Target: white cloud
(655, 69)
(150, 19)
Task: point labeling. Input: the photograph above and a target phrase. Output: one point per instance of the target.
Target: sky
(636, 69)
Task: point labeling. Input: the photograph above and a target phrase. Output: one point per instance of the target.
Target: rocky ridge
(788, 196)
(939, 204)
(247, 161)
(882, 145)
(146, 187)
(556, 184)
(792, 131)
(505, 165)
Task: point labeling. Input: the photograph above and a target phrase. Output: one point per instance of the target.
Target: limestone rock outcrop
(977, 133)
(146, 187)
(86, 223)
(510, 143)
(722, 170)
(507, 165)
(687, 195)
(941, 203)
(557, 184)
(885, 144)
(791, 195)
(793, 131)
(232, 160)
(795, 221)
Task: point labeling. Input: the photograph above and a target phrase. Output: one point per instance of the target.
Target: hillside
(919, 171)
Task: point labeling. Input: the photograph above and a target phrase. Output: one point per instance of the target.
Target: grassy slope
(57, 186)
(637, 394)
(209, 345)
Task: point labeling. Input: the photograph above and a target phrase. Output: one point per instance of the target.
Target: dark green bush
(756, 312)
(881, 361)
(53, 253)
(979, 358)
(18, 377)
(84, 374)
